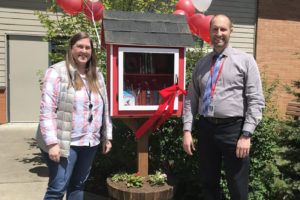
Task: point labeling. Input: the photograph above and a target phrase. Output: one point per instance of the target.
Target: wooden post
(142, 143)
(142, 150)
(119, 192)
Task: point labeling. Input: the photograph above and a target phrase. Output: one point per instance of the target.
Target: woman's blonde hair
(91, 65)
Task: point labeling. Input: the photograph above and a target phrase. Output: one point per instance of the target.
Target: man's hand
(187, 143)
(54, 152)
(106, 146)
(243, 147)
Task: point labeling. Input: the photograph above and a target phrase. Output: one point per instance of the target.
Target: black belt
(214, 120)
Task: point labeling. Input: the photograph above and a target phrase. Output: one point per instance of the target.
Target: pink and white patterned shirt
(83, 132)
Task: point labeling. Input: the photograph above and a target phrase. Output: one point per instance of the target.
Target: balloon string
(94, 23)
(99, 41)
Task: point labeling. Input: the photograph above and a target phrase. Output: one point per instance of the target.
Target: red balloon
(59, 2)
(187, 6)
(72, 7)
(204, 28)
(93, 7)
(179, 12)
(194, 23)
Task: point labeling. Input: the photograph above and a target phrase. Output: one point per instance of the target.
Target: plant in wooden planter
(135, 187)
(119, 177)
(158, 178)
(135, 180)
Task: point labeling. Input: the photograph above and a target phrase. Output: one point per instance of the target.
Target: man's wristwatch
(246, 133)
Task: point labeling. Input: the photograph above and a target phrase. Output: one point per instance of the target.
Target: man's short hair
(230, 23)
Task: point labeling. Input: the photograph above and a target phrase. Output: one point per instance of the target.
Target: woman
(74, 117)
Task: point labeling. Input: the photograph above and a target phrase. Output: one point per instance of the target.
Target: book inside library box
(144, 75)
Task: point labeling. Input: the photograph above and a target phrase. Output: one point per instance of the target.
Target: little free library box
(145, 54)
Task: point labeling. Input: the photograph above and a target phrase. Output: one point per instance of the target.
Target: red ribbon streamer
(167, 93)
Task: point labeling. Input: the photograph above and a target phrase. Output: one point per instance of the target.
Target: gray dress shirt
(238, 92)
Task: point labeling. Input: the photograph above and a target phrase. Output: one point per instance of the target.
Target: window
(142, 73)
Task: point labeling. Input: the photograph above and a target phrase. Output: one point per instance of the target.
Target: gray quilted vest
(65, 111)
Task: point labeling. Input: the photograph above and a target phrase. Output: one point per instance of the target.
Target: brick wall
(278, 44)
(2, 106)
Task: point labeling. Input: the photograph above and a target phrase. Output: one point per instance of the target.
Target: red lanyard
(213, 87)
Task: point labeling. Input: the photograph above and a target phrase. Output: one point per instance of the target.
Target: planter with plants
(134, 186)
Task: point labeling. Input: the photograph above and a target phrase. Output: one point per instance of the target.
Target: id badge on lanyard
(211, 107)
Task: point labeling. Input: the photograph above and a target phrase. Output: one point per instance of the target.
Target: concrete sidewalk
(23, 174)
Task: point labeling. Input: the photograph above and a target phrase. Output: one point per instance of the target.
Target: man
(226, 92)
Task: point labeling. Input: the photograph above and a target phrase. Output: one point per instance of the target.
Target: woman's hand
(106, 146)
(54, 152)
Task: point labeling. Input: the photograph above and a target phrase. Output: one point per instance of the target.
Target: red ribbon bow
(167, 93)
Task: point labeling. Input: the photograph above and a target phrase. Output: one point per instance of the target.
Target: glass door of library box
(142, 73)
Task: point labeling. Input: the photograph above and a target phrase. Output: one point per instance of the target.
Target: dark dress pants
(217, 143)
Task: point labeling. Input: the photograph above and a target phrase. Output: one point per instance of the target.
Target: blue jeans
(69, 175)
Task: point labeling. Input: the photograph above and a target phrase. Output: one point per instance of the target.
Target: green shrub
(289, 159)
(292, 89)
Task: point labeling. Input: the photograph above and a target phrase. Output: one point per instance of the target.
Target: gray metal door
(26, 56)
